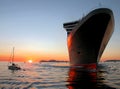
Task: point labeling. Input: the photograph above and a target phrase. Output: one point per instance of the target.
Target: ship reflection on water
(86, 78)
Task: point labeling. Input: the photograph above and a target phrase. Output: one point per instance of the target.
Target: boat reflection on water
(86, 77)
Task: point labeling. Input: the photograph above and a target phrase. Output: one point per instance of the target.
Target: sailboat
(12, 65)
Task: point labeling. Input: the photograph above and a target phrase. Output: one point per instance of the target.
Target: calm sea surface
(59, 75)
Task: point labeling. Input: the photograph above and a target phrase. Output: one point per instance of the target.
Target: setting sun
(30, 61)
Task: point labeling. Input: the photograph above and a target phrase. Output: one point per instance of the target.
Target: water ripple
(60, 76)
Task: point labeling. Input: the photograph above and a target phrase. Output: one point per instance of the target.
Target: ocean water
(59, 75)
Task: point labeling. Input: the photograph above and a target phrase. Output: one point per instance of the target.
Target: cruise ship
(88, 37)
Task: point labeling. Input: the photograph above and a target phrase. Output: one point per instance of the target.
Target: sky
(35, 27)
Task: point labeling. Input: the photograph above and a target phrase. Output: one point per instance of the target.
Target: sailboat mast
(13, 55)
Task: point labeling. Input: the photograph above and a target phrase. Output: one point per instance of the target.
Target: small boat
(12, 65)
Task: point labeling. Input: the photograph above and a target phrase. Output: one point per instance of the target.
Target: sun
(30, 61)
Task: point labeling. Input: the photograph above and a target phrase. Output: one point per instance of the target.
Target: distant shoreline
(52, 61)
(112, 61)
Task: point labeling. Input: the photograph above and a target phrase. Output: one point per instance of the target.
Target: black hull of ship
(88, 37)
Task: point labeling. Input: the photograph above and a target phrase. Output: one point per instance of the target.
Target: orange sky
(36, 56)
(57, 55)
